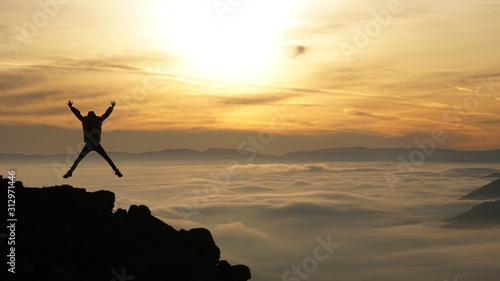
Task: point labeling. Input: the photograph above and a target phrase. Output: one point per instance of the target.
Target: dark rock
(122, 213)
(224, 270)
(105, 200)
(201, 242)
(487, 192)
(66, 233)
(5, 182)
(240, 272)
(236, 272)
(139, 213)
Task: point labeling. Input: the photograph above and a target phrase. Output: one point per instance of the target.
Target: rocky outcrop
(65, 233)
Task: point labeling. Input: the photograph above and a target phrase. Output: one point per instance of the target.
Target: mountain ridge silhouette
(341, 154)
(66, 233)
(483, 215)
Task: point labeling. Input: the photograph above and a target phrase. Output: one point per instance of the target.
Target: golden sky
(205, 73)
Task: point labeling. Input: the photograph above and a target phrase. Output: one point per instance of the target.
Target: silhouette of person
(92, 137)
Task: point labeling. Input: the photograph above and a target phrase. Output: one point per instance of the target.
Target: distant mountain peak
(484, 215)
(494, 175)
(486, 192)
(336, 154)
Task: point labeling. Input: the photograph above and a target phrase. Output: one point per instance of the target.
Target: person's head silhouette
(91, 114)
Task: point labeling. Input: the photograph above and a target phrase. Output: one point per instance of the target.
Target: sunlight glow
(240, 47)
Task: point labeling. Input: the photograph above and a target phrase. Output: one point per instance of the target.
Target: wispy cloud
(398, 86)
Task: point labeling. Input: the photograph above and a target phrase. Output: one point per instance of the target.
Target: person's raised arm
(75, 111)
(109, 110)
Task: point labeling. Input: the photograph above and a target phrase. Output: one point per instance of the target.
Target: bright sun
(238, 44)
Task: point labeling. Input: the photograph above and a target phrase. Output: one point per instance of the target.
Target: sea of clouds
(313, 221)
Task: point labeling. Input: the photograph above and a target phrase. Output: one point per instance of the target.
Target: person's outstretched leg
(85, 150)
(99, 149)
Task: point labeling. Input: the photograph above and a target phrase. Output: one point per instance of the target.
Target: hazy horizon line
(266, 154)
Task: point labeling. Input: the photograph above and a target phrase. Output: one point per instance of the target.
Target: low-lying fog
(321, 221)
